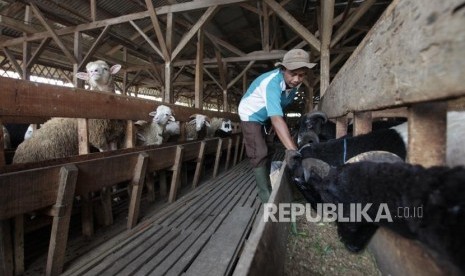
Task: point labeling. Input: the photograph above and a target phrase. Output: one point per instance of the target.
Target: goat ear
(171, 118)
(115, 69)
(153, 113)
(82, 76)
(207, 123)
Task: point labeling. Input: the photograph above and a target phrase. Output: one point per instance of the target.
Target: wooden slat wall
(414, 53)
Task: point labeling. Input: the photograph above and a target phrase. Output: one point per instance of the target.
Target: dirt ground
(315, 249)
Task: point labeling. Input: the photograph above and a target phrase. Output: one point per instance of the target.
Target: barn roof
(248, 36)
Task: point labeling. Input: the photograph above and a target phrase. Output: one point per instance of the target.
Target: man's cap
(295, 59)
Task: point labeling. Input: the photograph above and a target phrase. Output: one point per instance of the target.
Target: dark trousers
(256, 144)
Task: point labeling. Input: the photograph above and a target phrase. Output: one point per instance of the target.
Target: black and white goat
(337, 151)
(438, 190)
(219, 127)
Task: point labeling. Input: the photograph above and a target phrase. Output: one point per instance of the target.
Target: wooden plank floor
(174, 239)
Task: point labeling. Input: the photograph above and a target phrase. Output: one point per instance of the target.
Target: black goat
(440, 191)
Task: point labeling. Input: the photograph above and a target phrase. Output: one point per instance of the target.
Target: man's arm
(282, 131)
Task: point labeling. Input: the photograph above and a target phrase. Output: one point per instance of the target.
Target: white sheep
(58, 137)
(197, 127)
(219, 127)
(152, 133)
(99, 75)
(6, 138)
(172, 131)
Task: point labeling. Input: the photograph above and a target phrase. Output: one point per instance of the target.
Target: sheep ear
(140, 123)
(115, 69)
(207, 123)
(172, 119)
(82, 76)
(153, 113)
(141, 137)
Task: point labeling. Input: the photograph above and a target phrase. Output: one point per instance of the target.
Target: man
(264, 101)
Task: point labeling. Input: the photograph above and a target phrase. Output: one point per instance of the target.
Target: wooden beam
(147, 39)
(157, 28)
(52, 32)
(93, 10)
(221, 69)
(94, 47)
(327, 15)
(344, 29)
(13, 61)
(254, 56)
(212, 77)
(199, 71)
(265, 29)
(16, 24)
(209, 13)
(421, 62)
(225, 44)
(238, 77)
(20, 98)
(182, 7)
(169, 32)
(294, 24)
(38, 51)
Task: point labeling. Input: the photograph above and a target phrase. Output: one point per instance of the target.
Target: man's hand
(293, 158)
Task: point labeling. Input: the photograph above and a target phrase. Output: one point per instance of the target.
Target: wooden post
(150, 184)
(18, 243)
(427, 127)
(163, 183)
(107, 210)
(217, 158)
(362, 123)
(87, 215)
(341, 126)
(228, 154)
(2, 151)
(236, 149)
(198, 167)
(176, 173)
(60, 225)
(199, 71)
(6, 248)
(137, 183)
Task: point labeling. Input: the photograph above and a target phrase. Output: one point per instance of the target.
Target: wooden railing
(51, 185)
(412, 60)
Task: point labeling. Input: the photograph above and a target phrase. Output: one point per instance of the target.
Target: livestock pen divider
(30, 187)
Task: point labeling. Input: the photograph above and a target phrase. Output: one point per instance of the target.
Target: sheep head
(226, 126)
(162, 115)
(99, 75)
(310, 127)
(199, 120)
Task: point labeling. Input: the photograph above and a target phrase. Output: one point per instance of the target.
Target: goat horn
(377, 156)
(307, 138)
(318, 114)
(318, 166)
